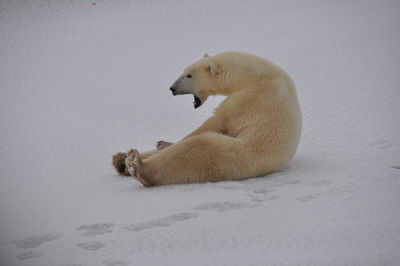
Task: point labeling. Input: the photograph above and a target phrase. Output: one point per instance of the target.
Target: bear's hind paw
(118, 161)
(133, 164)
(132, 161)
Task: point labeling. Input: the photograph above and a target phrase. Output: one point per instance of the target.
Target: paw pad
(132, 161)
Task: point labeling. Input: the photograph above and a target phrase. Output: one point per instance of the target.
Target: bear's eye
(189, 76)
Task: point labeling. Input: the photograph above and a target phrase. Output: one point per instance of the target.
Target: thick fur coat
(254, 131)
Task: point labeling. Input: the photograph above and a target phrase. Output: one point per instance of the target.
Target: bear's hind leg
(207, 157)
(133, 164)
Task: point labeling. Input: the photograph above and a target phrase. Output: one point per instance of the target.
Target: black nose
(172, 89)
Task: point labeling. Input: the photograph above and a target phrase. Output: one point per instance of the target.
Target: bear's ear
(213, 69)
(206, 55)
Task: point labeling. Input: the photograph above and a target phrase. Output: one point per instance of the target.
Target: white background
(79, 82)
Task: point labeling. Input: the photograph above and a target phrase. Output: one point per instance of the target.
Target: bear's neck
(231, 84)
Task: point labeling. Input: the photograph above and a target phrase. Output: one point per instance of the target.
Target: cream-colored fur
(254, 131)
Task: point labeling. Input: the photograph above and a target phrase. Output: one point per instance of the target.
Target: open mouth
(197, 102)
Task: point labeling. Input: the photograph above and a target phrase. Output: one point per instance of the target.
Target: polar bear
(253, 132)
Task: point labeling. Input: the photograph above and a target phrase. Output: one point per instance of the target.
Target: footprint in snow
(383, 145)
(35, 241)
(112, 262)
(30, 255)
(307, 198)
(320, 183)
(262, 191)
(261, 195)
(95, 229)
(397, 167)
(291, 182)
(163, 222)
(224, 206)
(91, 245)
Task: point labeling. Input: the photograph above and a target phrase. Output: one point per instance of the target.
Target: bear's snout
(173, 90)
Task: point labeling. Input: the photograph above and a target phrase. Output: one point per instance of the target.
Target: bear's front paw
(118, 161)
(163, 144)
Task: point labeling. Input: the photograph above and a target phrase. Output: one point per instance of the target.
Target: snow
(80, 82)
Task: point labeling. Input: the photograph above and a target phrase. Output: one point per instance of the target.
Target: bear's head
(201, 79)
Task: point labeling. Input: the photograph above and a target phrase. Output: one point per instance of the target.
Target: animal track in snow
(262, 195)
(261, 191)
(320, 183)
(224, 206)
(29, 255)
(112, 262)
(396, 167)
(383, 145)
(291, 182)
(166, 221)
(307, 198)
(91, 245)
(95, 229)
(35, 241)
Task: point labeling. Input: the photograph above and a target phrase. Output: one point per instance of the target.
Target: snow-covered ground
(80, 81)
